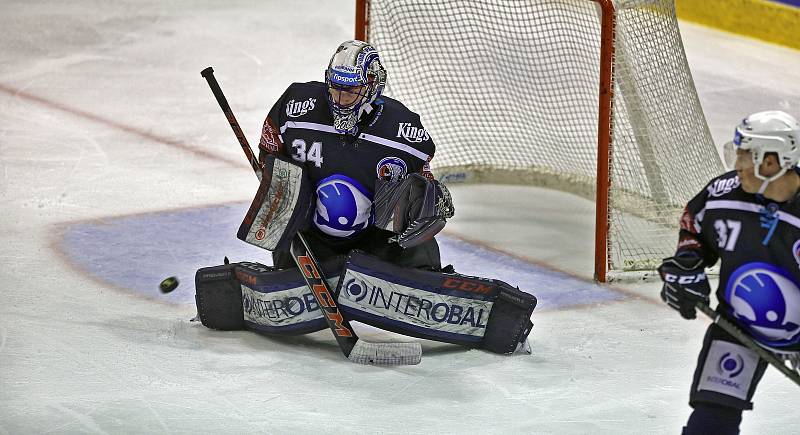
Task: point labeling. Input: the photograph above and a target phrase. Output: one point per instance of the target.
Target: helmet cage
(338, 108)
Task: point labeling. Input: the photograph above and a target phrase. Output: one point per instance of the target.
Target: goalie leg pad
(452, 308)
(219, 298)
(278, 302)
(510, 320)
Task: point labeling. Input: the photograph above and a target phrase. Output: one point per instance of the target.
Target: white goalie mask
(766, 132)
(355, 79)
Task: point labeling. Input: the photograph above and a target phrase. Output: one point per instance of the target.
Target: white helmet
(767, 132)
(355, 63)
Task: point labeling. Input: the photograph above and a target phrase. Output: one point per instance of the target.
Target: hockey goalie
(347, 167)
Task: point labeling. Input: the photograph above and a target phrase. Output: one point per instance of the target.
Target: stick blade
(386, 354)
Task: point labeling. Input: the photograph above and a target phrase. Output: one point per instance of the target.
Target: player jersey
(391, 143)
(758, 243)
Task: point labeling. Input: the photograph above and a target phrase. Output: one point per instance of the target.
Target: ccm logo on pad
(467, 286)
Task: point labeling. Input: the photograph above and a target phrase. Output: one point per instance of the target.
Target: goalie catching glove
(685, 283)
(414, 208)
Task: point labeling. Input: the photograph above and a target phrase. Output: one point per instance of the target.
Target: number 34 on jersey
(301, 152)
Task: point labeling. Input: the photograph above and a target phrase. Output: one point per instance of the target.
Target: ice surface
(115, 157)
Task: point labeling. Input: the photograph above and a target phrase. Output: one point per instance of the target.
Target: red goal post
(607, 79)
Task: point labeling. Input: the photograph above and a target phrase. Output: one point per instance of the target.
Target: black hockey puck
(168, 285)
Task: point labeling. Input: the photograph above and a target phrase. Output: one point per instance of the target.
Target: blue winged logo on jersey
(344, 206)
(766, 300)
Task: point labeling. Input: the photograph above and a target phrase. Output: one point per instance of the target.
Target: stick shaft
(749, 342)
(208, 74)
(353, 348)
(326, 299)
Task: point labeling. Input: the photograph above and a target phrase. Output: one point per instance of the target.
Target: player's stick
(208, 74)
(354, 349)
(745, 339)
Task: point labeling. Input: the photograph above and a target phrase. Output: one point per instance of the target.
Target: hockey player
(749, 219)
(348, 168)
(348, 136)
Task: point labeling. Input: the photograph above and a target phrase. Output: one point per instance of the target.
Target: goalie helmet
(355, 70)
(767, 132)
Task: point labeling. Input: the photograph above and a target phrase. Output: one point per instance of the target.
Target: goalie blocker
(281, 207)
(446, 307)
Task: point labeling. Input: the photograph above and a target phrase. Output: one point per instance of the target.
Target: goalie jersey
(758, 243)
(391, 143)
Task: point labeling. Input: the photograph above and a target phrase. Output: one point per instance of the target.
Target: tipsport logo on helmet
(344, 206)
(346, 78)
(391, 169)
(766, 300)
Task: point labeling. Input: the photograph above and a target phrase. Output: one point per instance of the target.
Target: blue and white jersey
(758, 243)
(391, 143)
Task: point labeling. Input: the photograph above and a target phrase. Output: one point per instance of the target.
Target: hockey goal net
(591, 97)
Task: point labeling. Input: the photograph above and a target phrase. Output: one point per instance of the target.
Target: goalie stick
(354, 349)
(745, 339)
(208, 74)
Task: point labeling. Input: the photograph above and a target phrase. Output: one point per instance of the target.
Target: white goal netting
(509, 91)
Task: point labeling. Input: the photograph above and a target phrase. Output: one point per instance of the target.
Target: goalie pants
(373, 241)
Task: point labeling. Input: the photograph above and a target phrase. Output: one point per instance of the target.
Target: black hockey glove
(685, 283)
(414, 208)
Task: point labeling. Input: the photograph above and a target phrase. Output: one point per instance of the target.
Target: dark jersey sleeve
(271, 142)
(691, 237)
